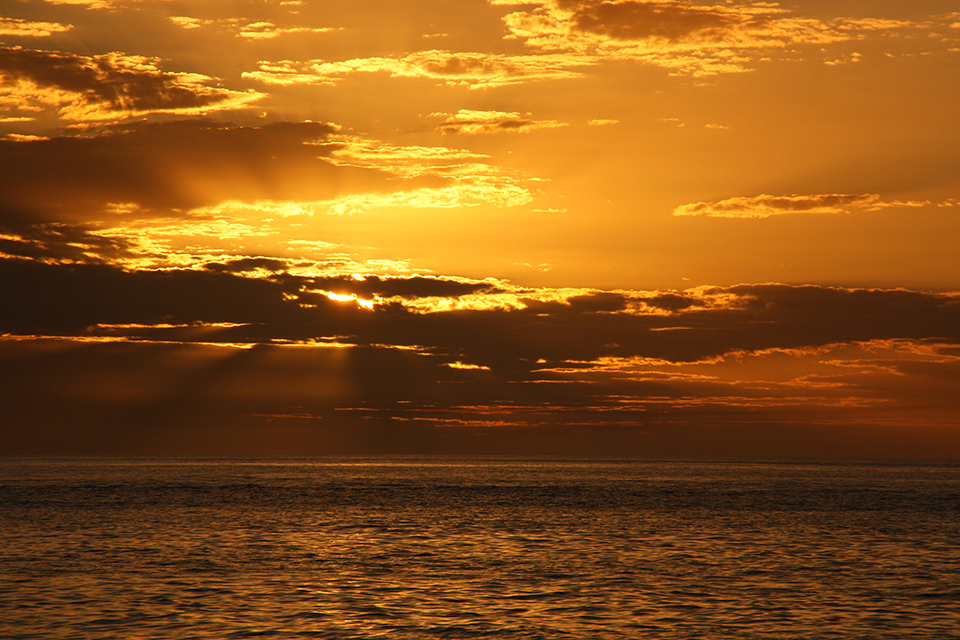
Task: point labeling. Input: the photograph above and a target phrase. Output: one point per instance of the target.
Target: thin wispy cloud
(481, 122)
(472, 70)
(764, 206)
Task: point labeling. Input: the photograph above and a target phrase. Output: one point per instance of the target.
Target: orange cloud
(473, 70)
(461, 178)
(107, 86)
(764, 206)
(688, 39)
(16, 27)
(474, 122)
(251, 30)
(186, 22)
(268, 30)
(89, 4)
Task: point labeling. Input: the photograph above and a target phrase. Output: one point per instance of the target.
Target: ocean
(407, 547)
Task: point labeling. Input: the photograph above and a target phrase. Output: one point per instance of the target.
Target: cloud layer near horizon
(383, 350)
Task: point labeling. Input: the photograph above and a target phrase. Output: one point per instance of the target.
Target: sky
(564, 227)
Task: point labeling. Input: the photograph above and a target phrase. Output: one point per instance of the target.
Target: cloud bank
(253, 345)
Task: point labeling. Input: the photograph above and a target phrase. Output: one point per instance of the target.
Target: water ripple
(458, 549)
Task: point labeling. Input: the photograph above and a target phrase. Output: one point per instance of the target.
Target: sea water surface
(470, 547)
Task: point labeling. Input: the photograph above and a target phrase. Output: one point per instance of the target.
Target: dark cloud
(176, 165)
(412, 287)
(671, 302)
(177, 393)
(443, 64)
(139, 368)
(68, 299)
(366, 287)
(811, 315)
(589, 303)
(171, 398)
(643, 20)
(597, 302)
(57, 241)
(247, 264)
(113, 82)
(760, 317)
(88, 299)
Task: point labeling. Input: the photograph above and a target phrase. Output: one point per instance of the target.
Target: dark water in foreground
(466, 548)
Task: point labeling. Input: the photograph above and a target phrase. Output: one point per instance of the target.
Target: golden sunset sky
(480, 226)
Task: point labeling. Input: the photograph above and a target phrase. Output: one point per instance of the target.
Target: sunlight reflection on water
(451, 548)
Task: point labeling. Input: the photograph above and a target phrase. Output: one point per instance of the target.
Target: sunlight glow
(341, 297)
